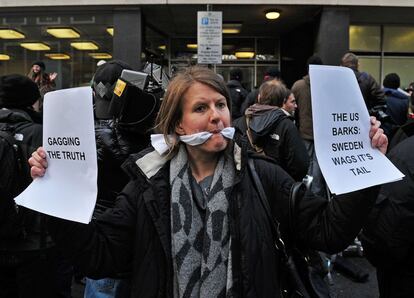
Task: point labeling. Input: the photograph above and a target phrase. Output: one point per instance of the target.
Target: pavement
(341, 287)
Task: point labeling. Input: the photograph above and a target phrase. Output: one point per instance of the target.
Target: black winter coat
(135, 236)
(31, 135)
(113, 146)
(388, 235)
(281, 141)
(238, 95)
(371, 91)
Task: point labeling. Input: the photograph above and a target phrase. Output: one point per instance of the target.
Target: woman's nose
(214, 113)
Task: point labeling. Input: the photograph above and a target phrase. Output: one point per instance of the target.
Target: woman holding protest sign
(190, 223)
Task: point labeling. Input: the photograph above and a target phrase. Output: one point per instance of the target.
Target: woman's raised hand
(378, 138)
(38, 163)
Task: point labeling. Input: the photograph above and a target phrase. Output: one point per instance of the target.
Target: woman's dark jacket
(135, 236)
(279, 138)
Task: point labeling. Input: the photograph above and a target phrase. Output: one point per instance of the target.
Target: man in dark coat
(388, 236)
(302, 92)
(29, 263)
(237, 92)
(397, 101)
(116, 139)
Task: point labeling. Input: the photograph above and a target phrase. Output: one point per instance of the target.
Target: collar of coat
(151, 162)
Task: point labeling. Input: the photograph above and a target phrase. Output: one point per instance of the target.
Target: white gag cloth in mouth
(159, 144)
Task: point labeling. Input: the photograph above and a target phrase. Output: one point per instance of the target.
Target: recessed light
(35, 46)
(272, 14)
(244, 55)
(84, 45)
(63, 32)
(11, 34)
(57, 56)
(4, 57)
(110, 30)
(100, 55)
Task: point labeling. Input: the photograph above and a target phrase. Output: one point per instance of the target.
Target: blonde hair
(171, 109)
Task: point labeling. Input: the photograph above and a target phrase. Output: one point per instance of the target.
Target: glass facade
(78, 65)
(260, 53)
(384, 49)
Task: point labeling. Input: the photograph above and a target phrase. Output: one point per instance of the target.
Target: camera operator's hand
(378, 138)
(38, 163)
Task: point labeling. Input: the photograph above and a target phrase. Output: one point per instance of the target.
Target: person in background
(277, 136)
(387, 236)
(44, 81)
(188, 224)
(270, 74)
(372, 93)
(302, 93)
(116, 139)
(237, 92)
(397, 101)
(30, 264)
(290, 105)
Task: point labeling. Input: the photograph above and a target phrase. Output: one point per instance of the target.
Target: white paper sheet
(69, 188)
(341, 127)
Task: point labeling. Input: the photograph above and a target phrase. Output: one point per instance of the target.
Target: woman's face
(36, 68)
(204, 109)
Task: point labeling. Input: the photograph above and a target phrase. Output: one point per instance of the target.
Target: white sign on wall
(209, 37)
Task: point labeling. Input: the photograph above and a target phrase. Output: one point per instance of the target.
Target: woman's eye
(221, 105)
(200, 109)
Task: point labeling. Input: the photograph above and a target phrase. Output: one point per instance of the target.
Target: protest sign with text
(69, 188)
(341, 126)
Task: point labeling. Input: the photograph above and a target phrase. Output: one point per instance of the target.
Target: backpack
(13, 180)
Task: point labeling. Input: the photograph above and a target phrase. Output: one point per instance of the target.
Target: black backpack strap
(293, 275)
(278, 242)
(296, 188)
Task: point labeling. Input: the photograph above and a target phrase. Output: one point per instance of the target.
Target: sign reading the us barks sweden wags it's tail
(69, 188)
(341, 126)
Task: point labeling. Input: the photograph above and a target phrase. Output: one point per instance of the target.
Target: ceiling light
(272, 14)
(244, 55)
(63, 32)
(162, 47)
(192, 46)
(231, 28)
(100, 55)
(11, 34)
(84, 45)
(110, 30)
(35, 46)
(57, 56)
(4, 57)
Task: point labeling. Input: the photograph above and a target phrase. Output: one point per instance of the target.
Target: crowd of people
(182, 217)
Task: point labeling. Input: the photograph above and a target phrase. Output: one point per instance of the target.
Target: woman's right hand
(38, 163)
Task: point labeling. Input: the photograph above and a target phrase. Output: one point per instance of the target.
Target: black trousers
(36, 274)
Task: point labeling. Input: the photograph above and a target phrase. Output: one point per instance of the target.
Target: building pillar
(128, 38)
(332, 40)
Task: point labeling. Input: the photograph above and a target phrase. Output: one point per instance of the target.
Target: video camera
(133, 108)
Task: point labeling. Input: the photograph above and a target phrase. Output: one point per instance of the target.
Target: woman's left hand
(378, 138)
